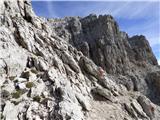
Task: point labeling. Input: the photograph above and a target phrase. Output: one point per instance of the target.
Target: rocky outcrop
(147, 106)
(153, 81)
(44, 76)
(142, 50)
(99, 38)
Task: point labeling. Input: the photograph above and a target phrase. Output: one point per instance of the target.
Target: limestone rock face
(147, 106)
(73, 68)
(153, 80)
(142, 49)
(99, 38)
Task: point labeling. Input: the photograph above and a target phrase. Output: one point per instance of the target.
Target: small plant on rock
(15, 81)
(12, 77)
(29, 84)
(1, 115)
(33, 70)
(37, 98)
(17, 94)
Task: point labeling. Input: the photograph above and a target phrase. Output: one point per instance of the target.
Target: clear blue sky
(133, 17)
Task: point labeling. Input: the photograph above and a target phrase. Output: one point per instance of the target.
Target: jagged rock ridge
(100, 39)
(58, 68)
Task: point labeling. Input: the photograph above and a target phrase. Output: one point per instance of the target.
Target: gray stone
(38, 88)
(84, 102)
(103, 93)
(138, 108)
(40, 64)
(147, 106)
(153, 80)
(11, 111)
(143, 51)
(10, 108)
(70, 61)
(130, 110)
(21, 86)
(89, 67)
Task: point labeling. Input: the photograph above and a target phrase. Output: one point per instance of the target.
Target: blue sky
(133, 17)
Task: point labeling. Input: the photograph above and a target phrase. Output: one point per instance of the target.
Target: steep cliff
(73, 68)
(100, 39)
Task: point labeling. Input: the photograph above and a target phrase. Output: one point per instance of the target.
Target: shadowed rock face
(44, 77)
(142, 49)
(100, 39)
(153, 80)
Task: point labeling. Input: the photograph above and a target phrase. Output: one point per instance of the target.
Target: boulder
(130, 110)
(83, 102)
(104, 93)
(52, 74)
(70, 61)
(21, 86)
(10, 108)
(40, 64)
(89, 67)
(137, 107)
(147, 106)
(11, 111)
(38, 88)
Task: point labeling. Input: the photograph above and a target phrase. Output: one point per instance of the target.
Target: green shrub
(1, 116)
(17, 94)
(12, 77)
(15, 81)
(37, 98)
(33, 70)
(29, 84)
(25, 74)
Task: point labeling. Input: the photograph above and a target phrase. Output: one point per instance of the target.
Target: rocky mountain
(74, 68)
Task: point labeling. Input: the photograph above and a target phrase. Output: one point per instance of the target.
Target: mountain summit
(74, 68)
